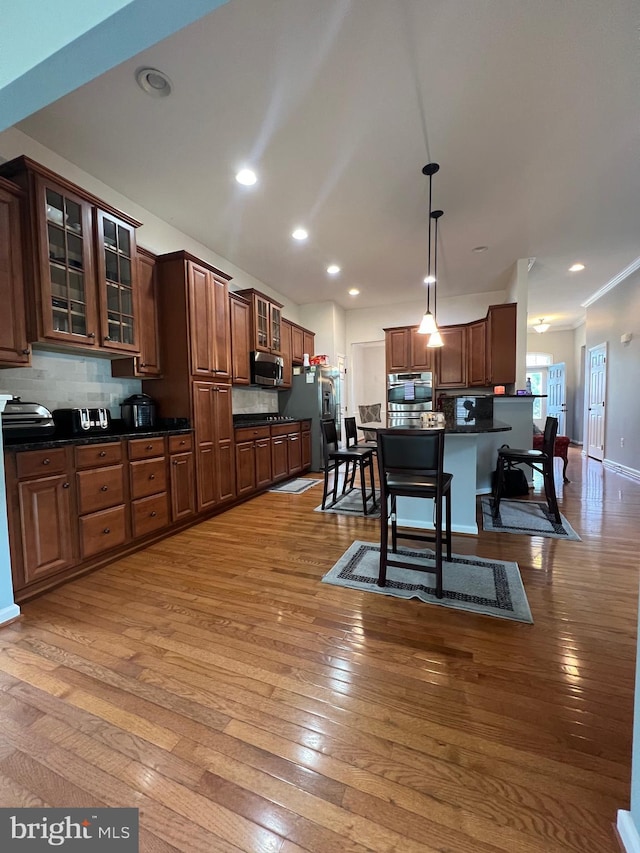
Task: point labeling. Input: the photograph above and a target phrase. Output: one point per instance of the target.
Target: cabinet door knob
(107, 337)
(46, 461)
(91, 334)
(175, 461)
(153, 514)
(107, 530)
(152, 476)
(65, 485)
(26, 351)
(102, 454)
(143, 364)
(104, 488)
(149, 447)
(183, 441)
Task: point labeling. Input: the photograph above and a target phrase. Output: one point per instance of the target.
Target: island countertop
(453, 426)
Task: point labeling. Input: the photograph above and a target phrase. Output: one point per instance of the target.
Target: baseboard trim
(424, 525)
(632, 473)
(628, 832)
(9, 614)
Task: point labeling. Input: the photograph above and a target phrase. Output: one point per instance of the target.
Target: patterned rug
(351, 504)
(529, 518)
(295, 487)
(490, 587)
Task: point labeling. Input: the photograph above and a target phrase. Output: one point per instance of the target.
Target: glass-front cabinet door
(262, 323)
(117, 282)
(68, 306)
(276, 329)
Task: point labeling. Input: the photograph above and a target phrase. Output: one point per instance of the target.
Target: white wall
(518, 291)
(561, 347)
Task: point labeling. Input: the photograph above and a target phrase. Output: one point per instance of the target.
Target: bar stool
(333, 457)
(410, 463)
(538, 460)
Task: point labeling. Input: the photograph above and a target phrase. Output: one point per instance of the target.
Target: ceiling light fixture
(300, 234)
(435, 338)
(354, 291)
(428, 323)
(154, 82)
(576, 267)
(246, 177)
(541, 326)
(333, 269)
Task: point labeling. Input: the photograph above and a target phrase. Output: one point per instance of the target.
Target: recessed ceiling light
(333, 269)
(246, 177)
(154, 82)
(300, 234)
(576, 267)
(429, 279)
(354, 291)
(478, 249)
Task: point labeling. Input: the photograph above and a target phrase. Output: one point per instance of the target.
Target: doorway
(597, 365)
(557, 395)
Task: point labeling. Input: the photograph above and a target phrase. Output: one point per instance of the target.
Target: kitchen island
(461, 461)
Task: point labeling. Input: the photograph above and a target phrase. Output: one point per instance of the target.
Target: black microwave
(266, 369)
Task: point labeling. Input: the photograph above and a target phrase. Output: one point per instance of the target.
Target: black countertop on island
(453, 426)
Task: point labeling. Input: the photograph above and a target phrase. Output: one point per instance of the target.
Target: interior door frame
(587, 445)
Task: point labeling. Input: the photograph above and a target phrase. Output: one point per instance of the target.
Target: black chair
(538, 460)
(410, 463)
(351, 441)
(333, 457)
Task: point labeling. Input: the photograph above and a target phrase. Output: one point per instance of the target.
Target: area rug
(295, 487)
(351, 504)
(490, 587)
(530, 518)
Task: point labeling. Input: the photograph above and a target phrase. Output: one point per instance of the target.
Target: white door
(597, 401)
(557, 396)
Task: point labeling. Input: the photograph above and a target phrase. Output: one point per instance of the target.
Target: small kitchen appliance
(139, 412)
(81, 421)
(26, 420)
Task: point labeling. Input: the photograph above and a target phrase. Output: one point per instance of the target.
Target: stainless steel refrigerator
(314, 394)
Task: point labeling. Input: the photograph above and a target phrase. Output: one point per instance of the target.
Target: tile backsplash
(61, 380)
(250, 401)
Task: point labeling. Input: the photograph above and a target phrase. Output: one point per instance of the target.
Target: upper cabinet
(14, 348)
(266, 321)
(240, 318)
(147, 364)
(407, 351)
(451, 362)
(287, 370)
(195, 296)
(501, 343)
(302, 341)
(79, 257)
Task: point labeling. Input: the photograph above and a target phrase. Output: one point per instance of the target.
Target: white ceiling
(530, 108)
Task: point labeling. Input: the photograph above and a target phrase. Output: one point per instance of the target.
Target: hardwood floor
(215, 684)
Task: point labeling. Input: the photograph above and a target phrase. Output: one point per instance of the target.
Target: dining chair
(370, 413)
(333, 457)
(352, 442)
(410, 464)
(538, 460)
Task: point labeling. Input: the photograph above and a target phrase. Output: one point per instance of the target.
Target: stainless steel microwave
(410, 388)
(266, 369)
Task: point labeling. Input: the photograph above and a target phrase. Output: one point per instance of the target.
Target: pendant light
(542, 326)
(435, 339)
(428, 324)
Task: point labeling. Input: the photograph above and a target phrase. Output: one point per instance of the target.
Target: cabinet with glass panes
(80, 255)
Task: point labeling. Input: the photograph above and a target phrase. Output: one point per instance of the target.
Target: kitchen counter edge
(47, 443)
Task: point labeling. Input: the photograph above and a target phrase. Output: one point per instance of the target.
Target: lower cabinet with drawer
(182, 477)
(253, 459)
(100, 492)
(148, 482)
(41, 512)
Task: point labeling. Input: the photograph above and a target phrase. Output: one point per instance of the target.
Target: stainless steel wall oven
(408, 395)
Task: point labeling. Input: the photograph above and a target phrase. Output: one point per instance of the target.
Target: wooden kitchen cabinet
(147, 364)
(101, 498)
(501, 343)
(148, 485)
(208, 322)
(266, 321)
(79, 261)
(264, 475)
(287, 370)
(305, 445)
(451, 365)
(240, 320)
(14, 347)
(398, 349)
(245, 467)
(215, 456)
(294, 451)
(302, 341)
(477, 373)
(279, 457)
(308, 342)
(422, 356)
(253, 459)
(183, 493)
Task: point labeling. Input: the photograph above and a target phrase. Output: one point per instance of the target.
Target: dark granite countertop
(456, 426)
(49, 442)
(258, 420)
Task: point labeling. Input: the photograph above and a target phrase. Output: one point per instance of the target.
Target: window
(539, 361)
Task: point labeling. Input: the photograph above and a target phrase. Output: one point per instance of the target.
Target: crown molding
(616, 280)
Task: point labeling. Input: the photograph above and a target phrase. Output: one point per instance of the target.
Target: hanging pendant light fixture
(542, 326)
(435, 339)
(428, 324)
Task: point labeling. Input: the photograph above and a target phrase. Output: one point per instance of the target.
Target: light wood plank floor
(215, 684)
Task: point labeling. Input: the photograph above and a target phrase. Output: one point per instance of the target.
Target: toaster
(81, 421)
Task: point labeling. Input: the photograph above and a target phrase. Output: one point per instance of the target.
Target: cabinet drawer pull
(175, 461)
(183, 441)
(46, 461)
(153, 514)
(104, 488)
(143, 364)
(149, 447)
(26, 351)
(152, 476)
(107, 530)
(102, 454)
(107, 337)
(91, 334)
(65, 485)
